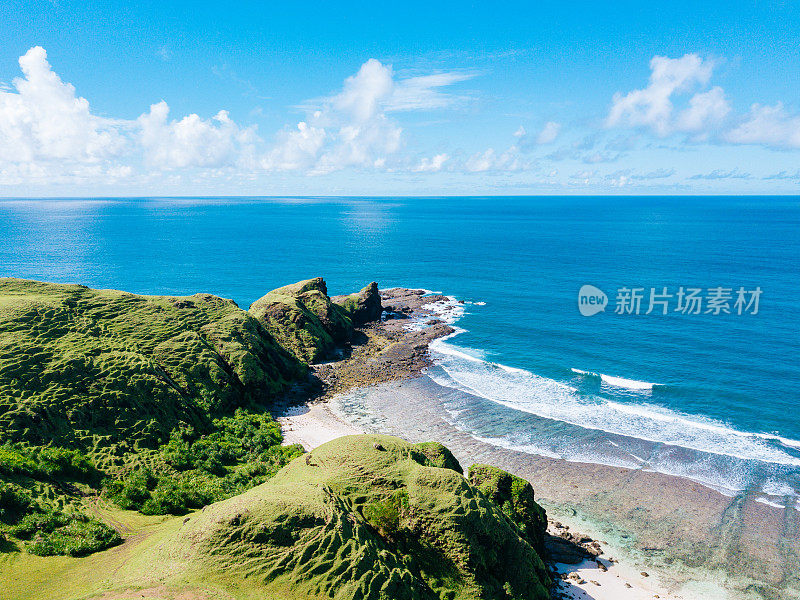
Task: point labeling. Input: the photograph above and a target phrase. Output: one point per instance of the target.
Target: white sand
(611, 583)
(312, 425)
(315, 424)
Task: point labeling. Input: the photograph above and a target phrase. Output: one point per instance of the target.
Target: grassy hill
(361, 518)
(138, 458)
(157, 400)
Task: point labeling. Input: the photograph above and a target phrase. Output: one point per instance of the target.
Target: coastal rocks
(387, 350)
(362, 307)
(516, 497)
(562, 546)
(303, 319)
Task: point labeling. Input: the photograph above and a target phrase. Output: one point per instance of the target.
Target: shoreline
(688, 538)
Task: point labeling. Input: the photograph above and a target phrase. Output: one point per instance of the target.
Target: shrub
(242, 451)
(39, 522)
(71, 535)
(61, 462)
(15, 461)
(132, 491)
(14, 502)
(172, 497)
(384, 515)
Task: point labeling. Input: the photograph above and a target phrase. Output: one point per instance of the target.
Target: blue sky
(174, 98)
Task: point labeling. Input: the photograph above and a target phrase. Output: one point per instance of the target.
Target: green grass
(108, 372)
(348, 520)
(101, 385)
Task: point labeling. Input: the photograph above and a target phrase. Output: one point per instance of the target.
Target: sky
(399, 98)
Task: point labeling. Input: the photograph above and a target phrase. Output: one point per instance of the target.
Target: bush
(72, 535)
(384, 515)
(61, 462)
(173, 497)
(15, 461)
(241, 452)
(14, 502)
(132, 491)
(39, 522)
(48, 462)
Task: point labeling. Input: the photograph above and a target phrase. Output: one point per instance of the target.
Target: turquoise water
(711, 397)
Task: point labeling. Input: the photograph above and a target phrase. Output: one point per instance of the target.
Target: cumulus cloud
(431, 165)
(42, 120)
(191, 141)
(768, 125)
(354, 127)
(652, 107)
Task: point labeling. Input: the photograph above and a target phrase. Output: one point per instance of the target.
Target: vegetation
(365, 517)
(72, 534)
(515, 497)
(158, 400)
(244, 450)
(157, 405)
(107, 372)
(303, 319)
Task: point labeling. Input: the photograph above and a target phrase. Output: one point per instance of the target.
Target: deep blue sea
(713, 397)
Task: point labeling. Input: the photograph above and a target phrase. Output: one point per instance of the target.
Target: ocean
(698, 392)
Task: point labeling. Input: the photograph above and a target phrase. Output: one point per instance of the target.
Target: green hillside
(158, 401)
(360, 518)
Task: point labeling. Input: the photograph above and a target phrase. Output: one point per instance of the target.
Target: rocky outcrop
(303, 319)
(363, 307)
(515, 496)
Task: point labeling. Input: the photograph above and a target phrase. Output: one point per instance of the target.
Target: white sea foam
(525, 391)
(770, 503)
(517, 446)
(775, 487)
(631, 384)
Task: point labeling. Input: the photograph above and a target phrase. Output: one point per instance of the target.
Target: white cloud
(705, 111)
(768, 125)
(424, 92)
(722, 174)
(44, 121)
(353, 128)
(192, 141)
(490, 160)
(431, 165)
(549, 133)
(296, 149)
(652, 107)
